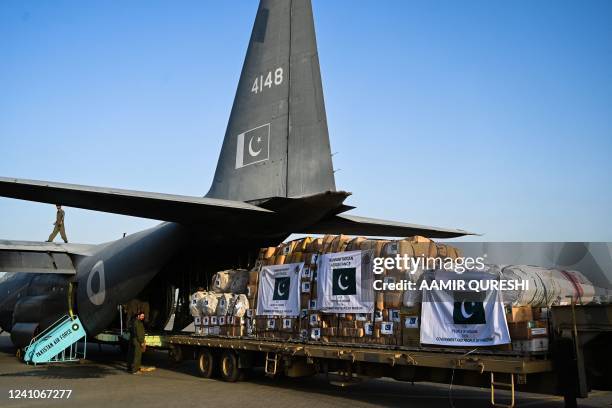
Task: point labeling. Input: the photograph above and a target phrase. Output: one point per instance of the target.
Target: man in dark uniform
(137, 343)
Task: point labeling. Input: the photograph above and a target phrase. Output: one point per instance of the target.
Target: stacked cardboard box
(396, 316)
(393, 322)
(528, 327)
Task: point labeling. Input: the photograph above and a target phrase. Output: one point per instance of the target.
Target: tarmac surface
(101, 381)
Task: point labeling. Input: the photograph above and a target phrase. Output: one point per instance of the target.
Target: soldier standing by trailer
(59, 225)
(137, 343)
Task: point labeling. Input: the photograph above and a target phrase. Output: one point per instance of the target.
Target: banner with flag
(345, 282)
(462, 317)
(279, 290)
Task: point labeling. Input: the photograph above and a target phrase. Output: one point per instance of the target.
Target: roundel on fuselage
(96, 285)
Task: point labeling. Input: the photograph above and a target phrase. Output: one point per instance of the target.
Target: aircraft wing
(355, 225)
(39, 257)
(158, 206)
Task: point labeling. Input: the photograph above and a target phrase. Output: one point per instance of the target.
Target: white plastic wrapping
(208, 304)
(241, 305)
(194, 300)
(226, 304)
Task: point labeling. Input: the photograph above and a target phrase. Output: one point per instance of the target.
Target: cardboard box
(519, 314)
(533, 345)
(411, 322)
(527, 330)
(393, 299)
(314, 320)
(386, 328)
(315, 334)
(307, 273)
(329, 332)
(251, 291)
(288, 324)
(253, 277)
(411, 336)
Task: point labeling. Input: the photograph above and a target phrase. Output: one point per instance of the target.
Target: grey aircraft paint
(276, 143)
(274, 178)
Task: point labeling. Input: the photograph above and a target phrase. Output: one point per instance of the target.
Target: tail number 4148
(272, 78)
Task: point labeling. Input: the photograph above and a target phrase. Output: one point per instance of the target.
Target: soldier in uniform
(59, 225)
(137, 343)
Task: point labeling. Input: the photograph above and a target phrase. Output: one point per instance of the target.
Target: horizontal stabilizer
(164, 207)
(39, 257)
(355, 225)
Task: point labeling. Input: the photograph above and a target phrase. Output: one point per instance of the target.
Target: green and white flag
(454, 317)
(279, 290)
(345, 282)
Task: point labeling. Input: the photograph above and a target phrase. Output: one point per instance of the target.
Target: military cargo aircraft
(274, 177)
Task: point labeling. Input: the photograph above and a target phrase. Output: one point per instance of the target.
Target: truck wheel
(206, 363)
(229, 367)
(176, 354)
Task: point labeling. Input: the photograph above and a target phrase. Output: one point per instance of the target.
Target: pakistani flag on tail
(253, 146)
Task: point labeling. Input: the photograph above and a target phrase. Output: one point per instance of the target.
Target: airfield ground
(101, 381)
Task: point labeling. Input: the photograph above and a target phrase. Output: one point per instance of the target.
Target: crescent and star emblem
(340, 285)
(252, 152)
(464, 313)
(279, 289)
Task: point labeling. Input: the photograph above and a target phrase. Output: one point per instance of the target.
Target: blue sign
(57, 340)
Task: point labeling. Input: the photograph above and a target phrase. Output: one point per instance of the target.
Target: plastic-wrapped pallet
(546, 286)
(239, 280)
(221, 281)
(225, 305)
(194, 307)
(241, 305)
(208, 304)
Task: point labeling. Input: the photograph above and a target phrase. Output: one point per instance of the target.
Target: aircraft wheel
(20, 353)
(206, 363)
(229, 367)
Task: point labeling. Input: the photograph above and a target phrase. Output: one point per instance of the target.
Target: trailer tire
(176, 355)
(229, 367)
(206, 363)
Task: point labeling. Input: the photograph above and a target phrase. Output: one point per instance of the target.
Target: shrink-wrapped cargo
(208, 304)
(239, 279)
(241, 305)
(194, 306)
(221, 281)
(225, 304)
(545, 286)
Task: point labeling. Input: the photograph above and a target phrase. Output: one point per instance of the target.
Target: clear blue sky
(490, 116)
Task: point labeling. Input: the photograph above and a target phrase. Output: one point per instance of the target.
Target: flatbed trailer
(231, 358)
(568, 369)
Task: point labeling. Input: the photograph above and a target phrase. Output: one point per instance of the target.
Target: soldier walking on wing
(137, 343)
(59, 225)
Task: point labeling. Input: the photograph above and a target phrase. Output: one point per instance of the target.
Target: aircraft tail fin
(277, 143)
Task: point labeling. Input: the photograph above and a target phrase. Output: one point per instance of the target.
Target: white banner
(462, 317)
(279, 290)
(345, 282)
